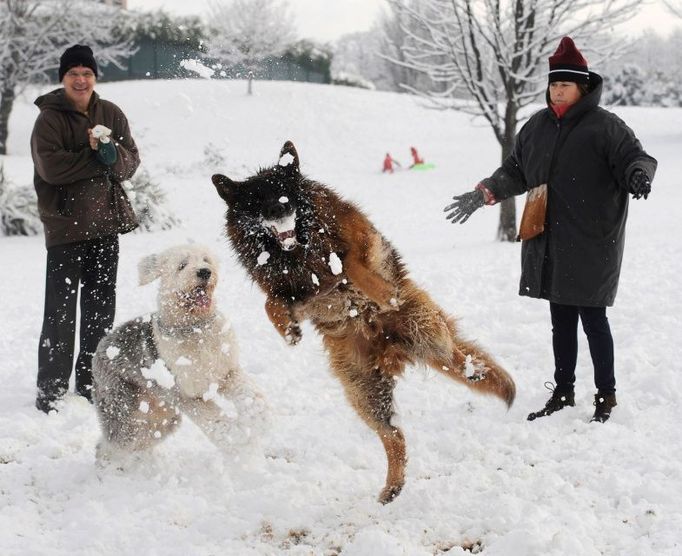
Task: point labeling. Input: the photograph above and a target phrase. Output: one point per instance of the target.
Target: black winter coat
(586, 158)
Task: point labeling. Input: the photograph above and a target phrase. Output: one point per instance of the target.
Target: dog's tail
(484, 375)
(434, 340)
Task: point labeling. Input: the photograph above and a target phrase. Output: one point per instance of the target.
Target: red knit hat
(568, 64)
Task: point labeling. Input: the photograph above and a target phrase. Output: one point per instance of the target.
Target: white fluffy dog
(182, 359)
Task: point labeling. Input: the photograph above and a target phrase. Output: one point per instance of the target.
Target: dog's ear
(288, 158)
(225, 187)
(148, 269)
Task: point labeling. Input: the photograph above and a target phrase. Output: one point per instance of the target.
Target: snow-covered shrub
(149, 200)
(351, 80)
(18, 209)
(626, 88)
(632, 86)
(214, 159)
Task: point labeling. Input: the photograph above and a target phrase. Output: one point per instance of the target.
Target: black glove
(639, 185)
(464, 206)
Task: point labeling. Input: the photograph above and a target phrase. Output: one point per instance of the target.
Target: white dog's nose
(204, 273)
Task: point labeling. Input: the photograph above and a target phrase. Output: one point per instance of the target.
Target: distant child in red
(388, 163)
(415, 157)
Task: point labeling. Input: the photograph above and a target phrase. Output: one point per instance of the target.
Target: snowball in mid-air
(197, 67)
(335, 264)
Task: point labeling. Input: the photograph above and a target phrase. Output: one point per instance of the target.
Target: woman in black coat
(589, 161)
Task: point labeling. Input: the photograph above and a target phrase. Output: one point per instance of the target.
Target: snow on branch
(248, 31)
(34, 33)
(495, 52)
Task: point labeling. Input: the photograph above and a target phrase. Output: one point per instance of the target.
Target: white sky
(326, 20)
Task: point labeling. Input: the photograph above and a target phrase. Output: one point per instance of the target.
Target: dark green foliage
(311, 58)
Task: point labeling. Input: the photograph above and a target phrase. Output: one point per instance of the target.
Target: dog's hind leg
(371, 395)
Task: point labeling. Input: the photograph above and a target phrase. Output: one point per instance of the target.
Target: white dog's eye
(182, 265)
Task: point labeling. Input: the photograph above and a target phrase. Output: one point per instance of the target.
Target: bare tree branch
(488, 57)
(675, 7)
(246, 32)
(33, 35)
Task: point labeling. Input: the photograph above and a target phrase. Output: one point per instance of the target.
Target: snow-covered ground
(477, 474)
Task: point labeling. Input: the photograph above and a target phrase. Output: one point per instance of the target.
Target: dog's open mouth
(197, 298)
(287, 239)
(284, 231)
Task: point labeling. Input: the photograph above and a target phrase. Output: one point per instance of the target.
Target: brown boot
(603, 403)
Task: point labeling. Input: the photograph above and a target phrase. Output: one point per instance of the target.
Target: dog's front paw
(293, 334)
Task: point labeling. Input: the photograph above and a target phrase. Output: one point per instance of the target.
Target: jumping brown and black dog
(318, 257)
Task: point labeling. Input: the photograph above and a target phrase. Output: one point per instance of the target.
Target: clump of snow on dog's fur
(286, 159)
(315, 279)
(183, 361)
(211, 393)
(263, 258)
(335, 264)
(159, 373)
(469, 367)
(283, 199)
(112, 352)
(144, 406)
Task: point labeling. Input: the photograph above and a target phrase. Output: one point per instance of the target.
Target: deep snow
(476, 473)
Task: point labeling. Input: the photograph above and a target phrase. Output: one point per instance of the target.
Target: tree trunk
(6, 103)
(250, 86)
(506, 229)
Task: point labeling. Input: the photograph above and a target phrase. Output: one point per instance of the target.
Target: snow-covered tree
(246, 32)
(33, 35)
(148, 199)
(494, 54)
(395, 29)
(18, 208)
(626, 88)
(364, 56)
(632, 86)
(356, 61)
(675, 6)
(649, 74)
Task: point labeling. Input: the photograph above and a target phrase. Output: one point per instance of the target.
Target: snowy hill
(477, 474)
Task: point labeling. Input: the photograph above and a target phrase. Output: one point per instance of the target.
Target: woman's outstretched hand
(464, 206)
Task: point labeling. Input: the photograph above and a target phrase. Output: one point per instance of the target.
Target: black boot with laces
(603, 403)
(560, 398)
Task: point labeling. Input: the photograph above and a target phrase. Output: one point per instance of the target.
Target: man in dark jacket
(589, 161)
(82, 205)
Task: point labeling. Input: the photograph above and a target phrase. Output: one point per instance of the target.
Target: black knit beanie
(74, 56)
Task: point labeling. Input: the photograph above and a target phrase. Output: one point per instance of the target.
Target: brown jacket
(75, 190)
